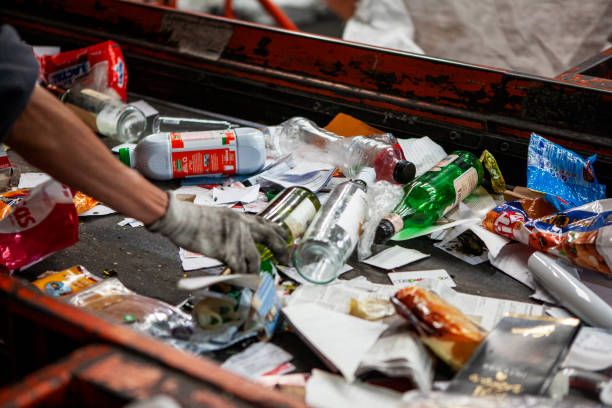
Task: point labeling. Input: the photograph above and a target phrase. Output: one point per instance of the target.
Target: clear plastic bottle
(164, 156)
(433, 194)
(105, 115)
(293, 209)
(350, 154)
(333, 234)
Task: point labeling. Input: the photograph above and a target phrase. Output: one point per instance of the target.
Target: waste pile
(347, 195)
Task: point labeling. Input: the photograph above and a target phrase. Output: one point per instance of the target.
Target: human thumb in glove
(221, 233)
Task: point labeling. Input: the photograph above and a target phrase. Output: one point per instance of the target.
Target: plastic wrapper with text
(40, 224)
(100, 67)
(582, 235)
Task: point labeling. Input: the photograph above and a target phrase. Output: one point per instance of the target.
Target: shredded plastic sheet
(582, 235)
(417, 399)
(100, 67)
(42, 223)
(382, 197)
(566, 178)
(113, 301)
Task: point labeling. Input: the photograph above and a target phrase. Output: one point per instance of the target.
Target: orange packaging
(66, 282)
(84, 202)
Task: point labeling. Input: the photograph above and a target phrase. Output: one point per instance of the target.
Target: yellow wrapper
(490, 164)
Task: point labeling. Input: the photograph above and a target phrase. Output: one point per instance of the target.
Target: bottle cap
(126, 156)
(404, 172)
(384, 231)
(367, 175)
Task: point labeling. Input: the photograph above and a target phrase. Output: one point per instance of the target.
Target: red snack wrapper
(44, 222)
(100, 67)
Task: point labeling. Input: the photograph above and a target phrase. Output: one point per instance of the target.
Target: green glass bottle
(432, 195)
(292, 209)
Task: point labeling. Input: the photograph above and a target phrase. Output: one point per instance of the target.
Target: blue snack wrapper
(567, 179)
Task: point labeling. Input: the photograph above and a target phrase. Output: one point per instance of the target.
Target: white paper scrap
(42, 50)
(245, 280)
(144, 106)
(256, 360)
(493, 241)
(423, 152)
(412, 278)
(192, 260)
(455, 248)
(314, 180)
(99, 209)
(591, 350)
(342, 339)
(31, 180)
(227, 195)
(131, 221)
(394, 257)
(324, 390)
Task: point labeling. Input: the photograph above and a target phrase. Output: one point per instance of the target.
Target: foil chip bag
(100, 67)
(581, 235)
(42, 223)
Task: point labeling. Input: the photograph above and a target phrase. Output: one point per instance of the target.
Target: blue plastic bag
(567, 179)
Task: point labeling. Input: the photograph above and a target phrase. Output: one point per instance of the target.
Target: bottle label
(464, 185)
(395, 220)
(352, 218)
(209, 152)
(445, 162)
(297, 221)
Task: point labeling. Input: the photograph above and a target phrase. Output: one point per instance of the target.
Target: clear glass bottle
(433, 194)
(105, 115)
(293, 209)
(335, 230)
(350, 154)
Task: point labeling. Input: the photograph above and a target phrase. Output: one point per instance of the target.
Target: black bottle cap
(384, 231)
(404, 172)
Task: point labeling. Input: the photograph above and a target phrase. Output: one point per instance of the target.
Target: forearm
(52, 138)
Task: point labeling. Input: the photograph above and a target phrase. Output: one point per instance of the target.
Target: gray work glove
(221, 233)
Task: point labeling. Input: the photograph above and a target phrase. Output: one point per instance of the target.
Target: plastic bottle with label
(433, 194)
(164, 156)
(303, 137)
(293, 209)
(103, 114)
(333, 234)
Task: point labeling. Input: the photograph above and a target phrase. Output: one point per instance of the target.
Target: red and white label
(203, 153)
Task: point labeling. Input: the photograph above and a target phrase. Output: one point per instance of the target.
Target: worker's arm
(52, 138)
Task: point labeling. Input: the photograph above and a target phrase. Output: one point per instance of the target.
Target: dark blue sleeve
(18, 75)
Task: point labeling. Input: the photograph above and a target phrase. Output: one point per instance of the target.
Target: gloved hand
(221, 233)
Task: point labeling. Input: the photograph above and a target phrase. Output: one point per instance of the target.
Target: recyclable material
(567, 178)
(371, 308)
(450, 334)
(293, 209)
(301, 136)
(67, 282)
(100, 67)
(581, 235)
(333, 234)
(518, 357)
(164, 156)
(432, 195)
(569, 291)
(6, 171)
(495, 181)
(214, 309)
(10, 199)
(42, 223)
(104, 114)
